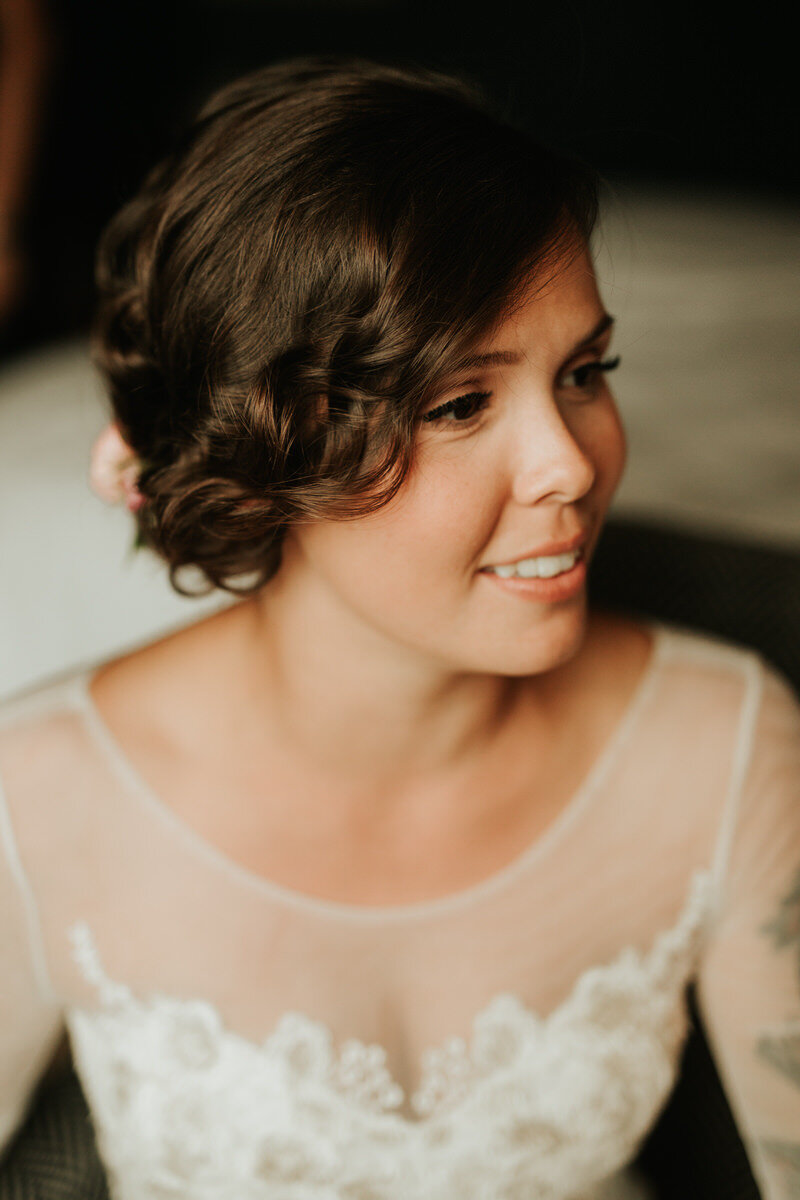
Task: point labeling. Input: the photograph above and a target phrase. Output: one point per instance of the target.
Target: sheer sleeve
(748, 983)
(31, 1022)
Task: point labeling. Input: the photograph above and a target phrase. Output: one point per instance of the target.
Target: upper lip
(548, 548)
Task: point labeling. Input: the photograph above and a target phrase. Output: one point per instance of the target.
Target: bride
(388, 879)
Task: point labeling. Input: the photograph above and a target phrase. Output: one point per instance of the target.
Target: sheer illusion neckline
(336, 909)
(453, 1070)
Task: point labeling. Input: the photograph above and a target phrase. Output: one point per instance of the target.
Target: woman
(388, 879)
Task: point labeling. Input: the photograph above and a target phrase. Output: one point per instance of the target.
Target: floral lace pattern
(528, 1106)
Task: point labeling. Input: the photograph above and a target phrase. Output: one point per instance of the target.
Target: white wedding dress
(513, 1041)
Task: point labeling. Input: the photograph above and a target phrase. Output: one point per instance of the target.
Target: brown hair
(293, 283)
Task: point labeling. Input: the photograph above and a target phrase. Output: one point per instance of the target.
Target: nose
(549, 461)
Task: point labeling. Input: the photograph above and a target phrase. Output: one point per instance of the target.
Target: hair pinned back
(291, 286)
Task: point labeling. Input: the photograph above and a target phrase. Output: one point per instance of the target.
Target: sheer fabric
(516, 1039)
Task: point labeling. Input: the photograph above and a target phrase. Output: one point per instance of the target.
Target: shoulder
(152, 690)
(42, 749)
(761, 682)
(621, 644)
(693, 652)
(711, 679)
(25, 707)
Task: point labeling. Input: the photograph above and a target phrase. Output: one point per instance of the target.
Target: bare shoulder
(153, 683)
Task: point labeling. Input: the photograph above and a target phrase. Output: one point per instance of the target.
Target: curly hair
(293, 284)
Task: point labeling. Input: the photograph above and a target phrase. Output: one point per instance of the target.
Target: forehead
(561, 301)
(567, 284)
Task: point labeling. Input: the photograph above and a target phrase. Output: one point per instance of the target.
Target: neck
(355, 707)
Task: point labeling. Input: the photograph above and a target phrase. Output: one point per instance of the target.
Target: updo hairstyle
(296, 281)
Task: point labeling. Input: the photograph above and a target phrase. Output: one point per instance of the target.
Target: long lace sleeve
(30, 1017)
(748, 983)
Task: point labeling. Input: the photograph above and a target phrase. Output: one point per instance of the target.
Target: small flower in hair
(114, 470)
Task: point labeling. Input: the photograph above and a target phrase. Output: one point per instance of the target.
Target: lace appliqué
(529, 1105)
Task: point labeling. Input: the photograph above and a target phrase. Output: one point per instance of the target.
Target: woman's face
(533, 458)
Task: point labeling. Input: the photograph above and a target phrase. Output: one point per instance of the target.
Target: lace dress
(515, 1040)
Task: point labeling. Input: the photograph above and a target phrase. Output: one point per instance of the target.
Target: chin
(545, 645)
(560, 638)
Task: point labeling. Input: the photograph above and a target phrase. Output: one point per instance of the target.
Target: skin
(379, 680)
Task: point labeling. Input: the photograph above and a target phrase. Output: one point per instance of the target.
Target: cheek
(609, 448)
(435, 529)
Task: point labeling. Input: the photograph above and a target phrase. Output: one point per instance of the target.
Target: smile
(544, 567)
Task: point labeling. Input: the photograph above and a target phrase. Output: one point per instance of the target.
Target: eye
(464, 408)
(587, 376)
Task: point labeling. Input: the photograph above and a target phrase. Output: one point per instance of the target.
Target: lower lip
(558, 587)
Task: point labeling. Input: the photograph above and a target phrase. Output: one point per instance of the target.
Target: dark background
(665, 95)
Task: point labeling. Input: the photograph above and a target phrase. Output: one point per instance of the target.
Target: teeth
(538, 568)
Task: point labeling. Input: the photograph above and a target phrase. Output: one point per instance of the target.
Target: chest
(385, 846)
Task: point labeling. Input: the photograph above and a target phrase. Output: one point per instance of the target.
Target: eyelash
(587, 369)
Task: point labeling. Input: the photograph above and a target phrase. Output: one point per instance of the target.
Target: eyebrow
(508, 358)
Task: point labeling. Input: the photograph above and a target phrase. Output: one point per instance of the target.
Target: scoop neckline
(438, 905)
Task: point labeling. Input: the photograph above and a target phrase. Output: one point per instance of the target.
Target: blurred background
(687, 113)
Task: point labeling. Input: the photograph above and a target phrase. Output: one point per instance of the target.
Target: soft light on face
(533, 456)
